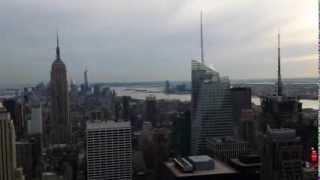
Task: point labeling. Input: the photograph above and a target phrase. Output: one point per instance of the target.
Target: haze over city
(156, 40)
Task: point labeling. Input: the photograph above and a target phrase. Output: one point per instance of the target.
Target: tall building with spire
(280, 110)
(60, 129)
(211, 114)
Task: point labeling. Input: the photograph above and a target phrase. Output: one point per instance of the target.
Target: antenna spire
(58, 48)
(201, 37)
(279, 93)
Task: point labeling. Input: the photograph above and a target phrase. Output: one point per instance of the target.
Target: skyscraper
(248, 126)
(86, 84)
(280, 110)
(212, 115)
(126, 107)
(198, 73)
(7, 146)
(281, 155)
(151, 111)
(60, 131)
(36, 119)
(241, 99)
(211, 111)
(181, 133)
(109, 150)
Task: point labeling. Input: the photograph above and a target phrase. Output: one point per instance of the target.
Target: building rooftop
(201, 158)
(199, 66)
(107, 125)
(243, 164)
(282, 133)
(22, 142)
(220, 168)
(225, 139)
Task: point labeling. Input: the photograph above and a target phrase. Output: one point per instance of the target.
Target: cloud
(123, 40)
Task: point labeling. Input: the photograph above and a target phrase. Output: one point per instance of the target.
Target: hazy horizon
(21, 85)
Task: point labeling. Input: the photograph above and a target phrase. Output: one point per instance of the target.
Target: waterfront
(142, 92)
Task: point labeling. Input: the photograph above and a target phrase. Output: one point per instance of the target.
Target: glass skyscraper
(211, 106)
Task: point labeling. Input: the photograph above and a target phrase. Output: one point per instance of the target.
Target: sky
(148, 40)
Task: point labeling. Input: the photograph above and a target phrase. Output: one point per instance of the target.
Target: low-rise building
(226, 148)
(202, 167)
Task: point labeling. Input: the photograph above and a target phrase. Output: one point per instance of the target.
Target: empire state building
(60, 129)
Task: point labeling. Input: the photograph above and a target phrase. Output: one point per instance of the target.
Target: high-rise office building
(248, 127)
(109, 150)
(280, 110)
(241, 99)
(8, 165)
(35, 126)
(126, 107)
(151, 111)
(199, 72)
(211, 111)
(212, 116)
(281, 155)
(86, 84)
(60, 128)
(25, 158)
(181, 133)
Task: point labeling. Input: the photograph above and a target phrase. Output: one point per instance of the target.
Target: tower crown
(58, 63)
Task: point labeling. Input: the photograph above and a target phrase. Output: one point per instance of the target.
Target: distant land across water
(173, 82)
(156, 88)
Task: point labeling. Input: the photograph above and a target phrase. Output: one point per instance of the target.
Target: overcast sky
(136, 40)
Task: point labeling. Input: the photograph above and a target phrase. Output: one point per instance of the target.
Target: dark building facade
(60, 128)
(281, 111)
(241, 99)
(126, 107)
(25, 158)
(181, 133)
(151, 111)
(248, 127)
(226, 148)
(248, 166)
(281, 155)
(17, 112)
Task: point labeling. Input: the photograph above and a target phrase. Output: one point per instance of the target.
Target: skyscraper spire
(86, 84)
(201, 37)
(279, 85)
(58, 48)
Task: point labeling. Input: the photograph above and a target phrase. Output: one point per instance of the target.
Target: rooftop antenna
(201, 37)
(58, 48)
(279, 85)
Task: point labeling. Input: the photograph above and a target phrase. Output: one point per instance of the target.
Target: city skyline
(157, 35)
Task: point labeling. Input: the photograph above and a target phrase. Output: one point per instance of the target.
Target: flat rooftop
(220, 168)
(238, 162)
(225, 139)
(107, 125)
(202, 158)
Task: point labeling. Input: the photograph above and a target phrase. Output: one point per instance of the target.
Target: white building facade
(109, 150)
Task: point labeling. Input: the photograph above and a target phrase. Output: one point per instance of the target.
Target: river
(142, 92)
